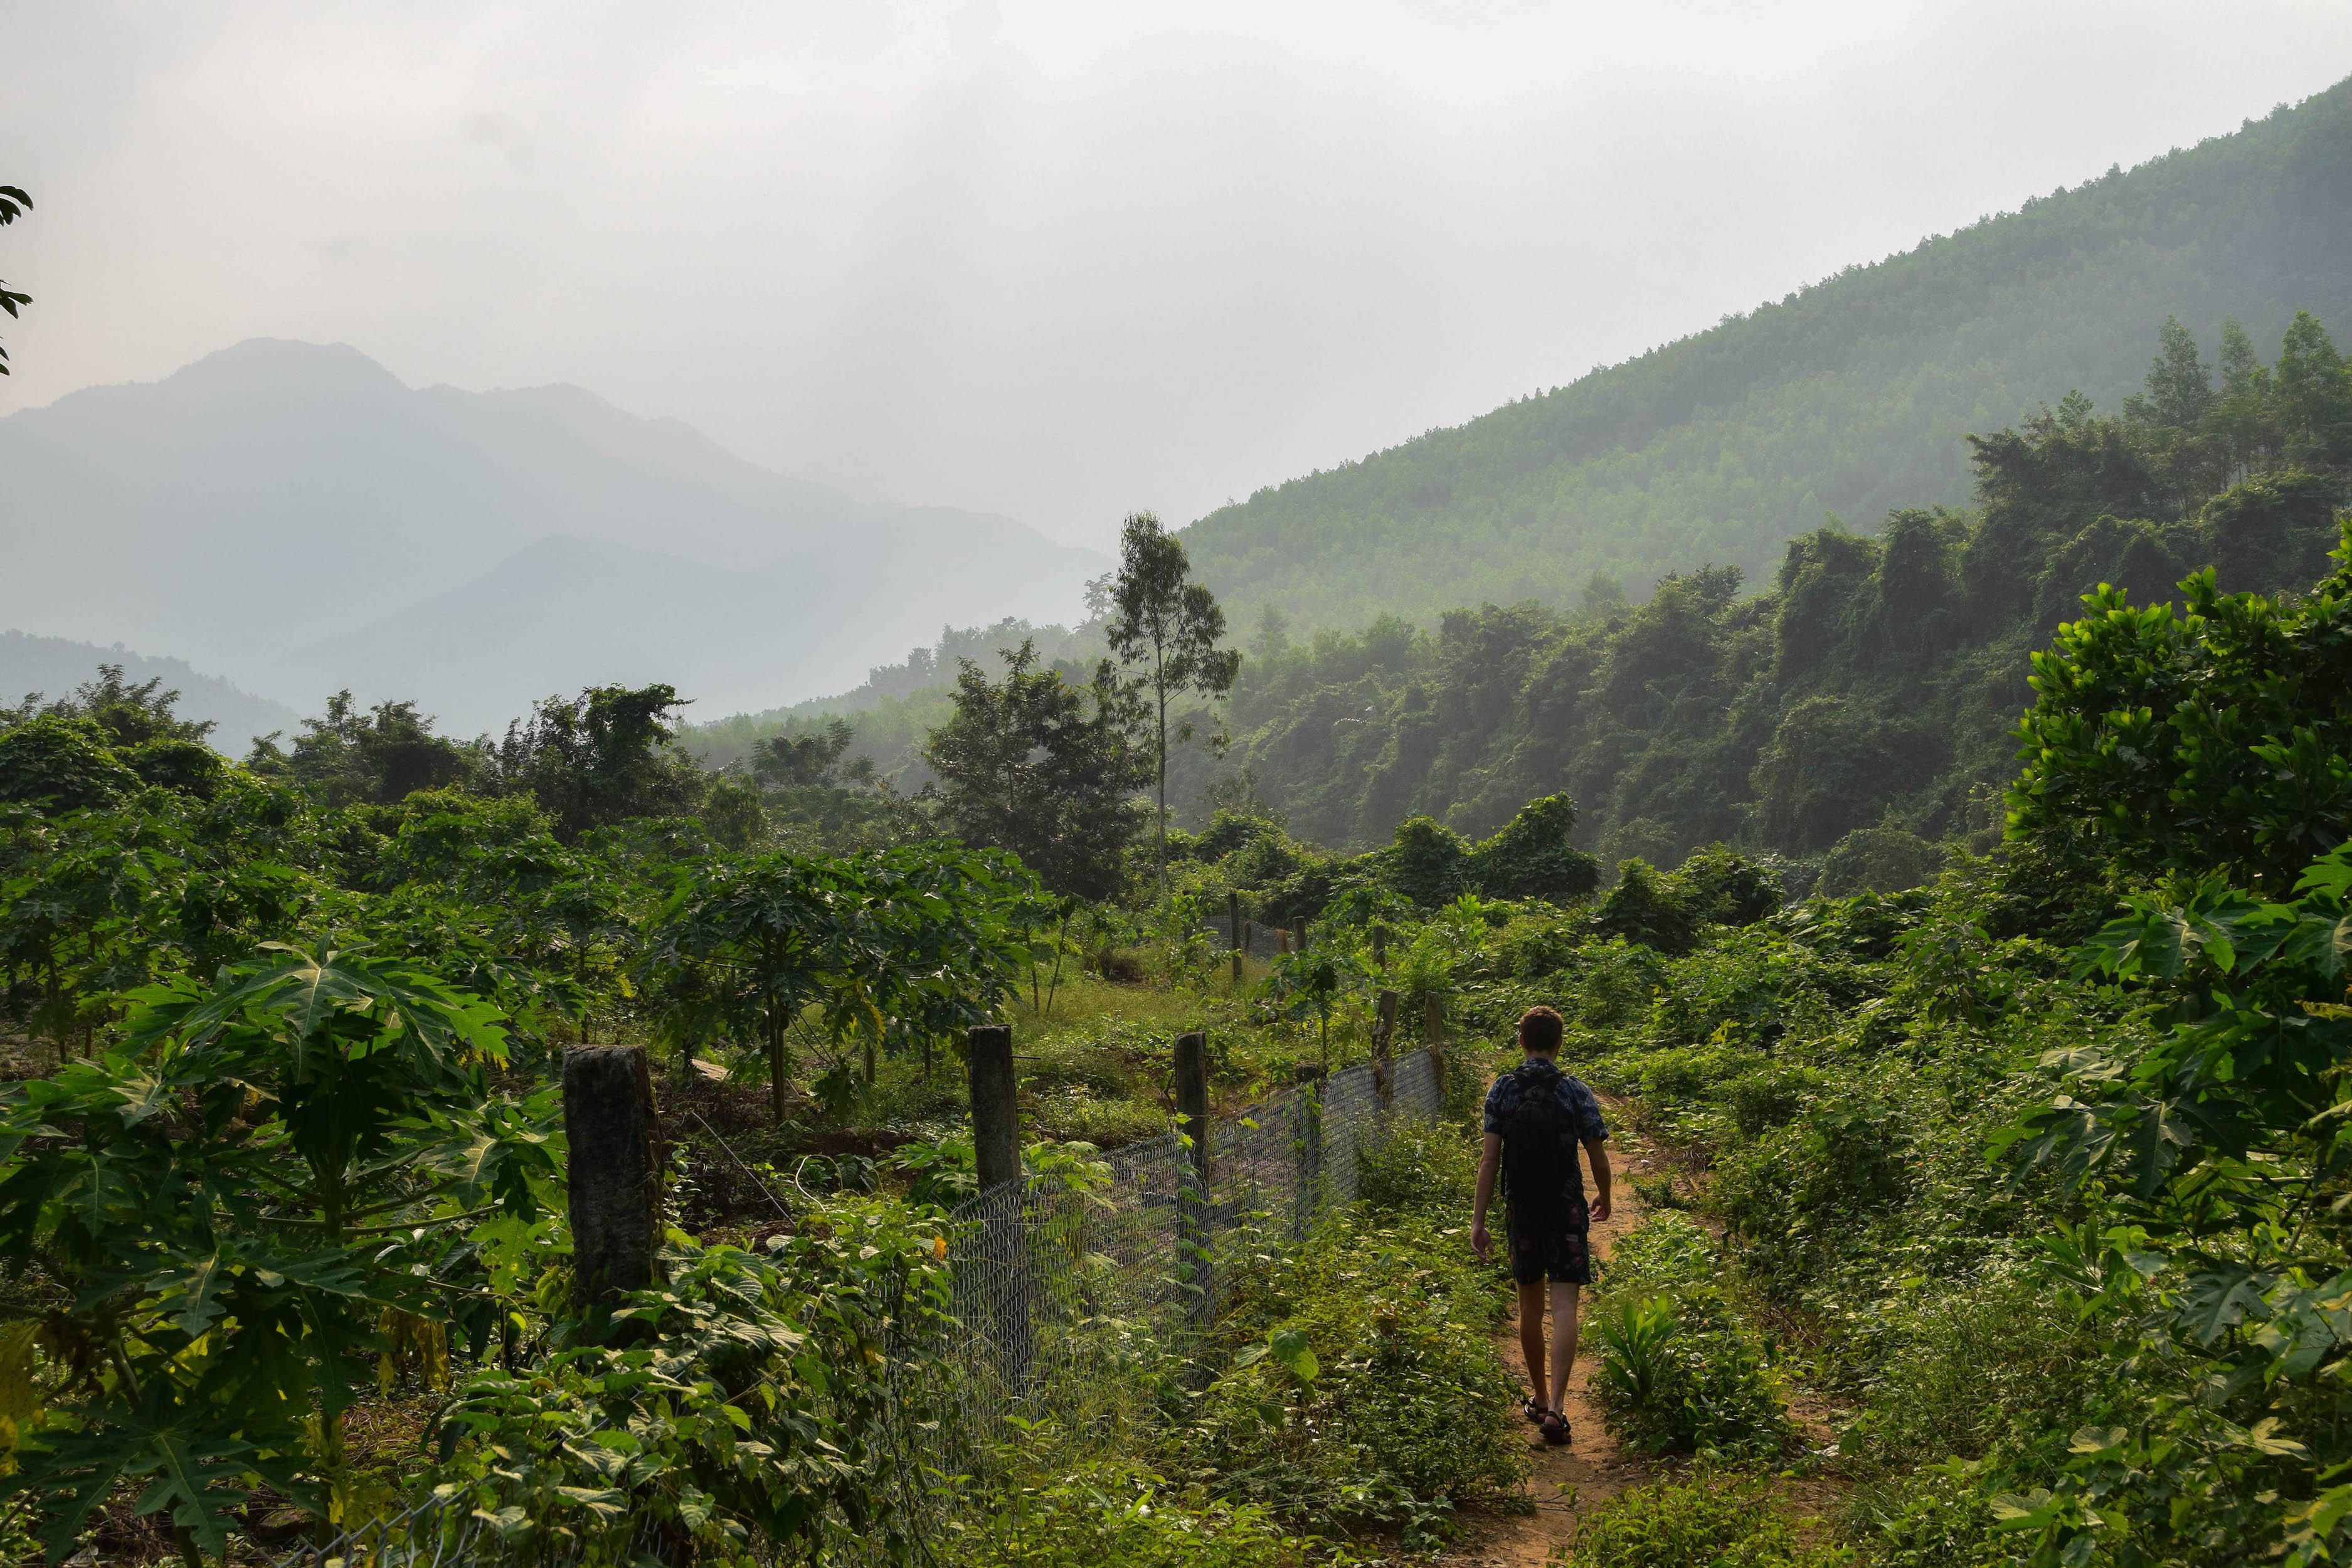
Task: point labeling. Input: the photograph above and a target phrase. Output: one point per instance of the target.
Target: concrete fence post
(614, 1172)
(996, 1104)
(1003, 1240)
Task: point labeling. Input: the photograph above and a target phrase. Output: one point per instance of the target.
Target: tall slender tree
(1168, 625)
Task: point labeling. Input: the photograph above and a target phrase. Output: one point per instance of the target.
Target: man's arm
(1598, 1152)
(1490, 1160)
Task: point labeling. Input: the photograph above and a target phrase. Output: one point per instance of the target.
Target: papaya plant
(230, 1206)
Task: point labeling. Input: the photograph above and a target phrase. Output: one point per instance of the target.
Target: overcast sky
(1058, 261)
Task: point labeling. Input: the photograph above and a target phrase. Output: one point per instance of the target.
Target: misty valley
(567, 998)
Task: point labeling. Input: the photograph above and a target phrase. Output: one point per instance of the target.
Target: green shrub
(1714, 1521)
(1665, 1252)
(1674, 1078)
(1999, 1364)
(1401, 1406)
(1805, 1196)
(1934, 1518)
(1120, 1514)
(1679, 1375)
(1769, 1096)
(1410, 1165)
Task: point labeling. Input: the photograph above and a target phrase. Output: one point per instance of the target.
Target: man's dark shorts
(1557, 1249)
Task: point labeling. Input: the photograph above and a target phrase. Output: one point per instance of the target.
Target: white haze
(1052, 261)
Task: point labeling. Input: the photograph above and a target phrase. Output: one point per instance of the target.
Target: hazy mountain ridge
(53, 666)
(1851, 397)
(296, 517)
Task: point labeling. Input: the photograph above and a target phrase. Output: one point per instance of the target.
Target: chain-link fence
(1072, 1297)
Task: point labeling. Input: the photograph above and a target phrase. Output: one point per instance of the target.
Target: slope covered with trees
(1851, 397)
(1864, 703)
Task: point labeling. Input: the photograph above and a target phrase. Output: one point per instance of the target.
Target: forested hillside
(1872, 689)
(1851, 396)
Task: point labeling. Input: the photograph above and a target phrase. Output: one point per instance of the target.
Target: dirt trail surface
(1566, 1481)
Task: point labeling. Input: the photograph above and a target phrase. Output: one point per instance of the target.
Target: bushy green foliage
(2211, 736)
(1046, 768)
(1934, 1518)
(1664, 1253)
(1118, 1512)
(1719, 1521)
(1414, 1166)
(61, 764)
(1679, 1373)
(1428, 866)
(749, 1400)
(1398, 1409)
(266, 1172)
(897, 947)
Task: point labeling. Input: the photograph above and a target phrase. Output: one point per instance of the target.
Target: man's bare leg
(1564, 1299)
(1531, 1335)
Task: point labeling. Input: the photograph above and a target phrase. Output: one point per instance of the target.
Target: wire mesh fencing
(1072, 1302)
(1063, 1294)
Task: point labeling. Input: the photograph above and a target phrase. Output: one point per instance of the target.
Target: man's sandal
(1554, 1427)
(1531, 1410)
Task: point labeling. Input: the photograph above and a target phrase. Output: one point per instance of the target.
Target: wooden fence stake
(1433, 1034)
(1192, 1109)
(1235, 929)
(1383, 1050)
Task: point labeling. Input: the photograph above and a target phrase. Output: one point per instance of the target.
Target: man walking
(1536, 1116)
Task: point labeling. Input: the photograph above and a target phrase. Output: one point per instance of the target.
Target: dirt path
(1566, 1480)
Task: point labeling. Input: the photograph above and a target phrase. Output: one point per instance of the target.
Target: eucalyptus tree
(1168, 625)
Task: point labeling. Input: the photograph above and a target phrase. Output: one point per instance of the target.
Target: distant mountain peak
(251, 509)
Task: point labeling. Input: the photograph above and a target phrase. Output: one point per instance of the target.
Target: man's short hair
(1539, 1030)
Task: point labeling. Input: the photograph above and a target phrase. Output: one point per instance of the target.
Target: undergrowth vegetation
(1680, 1371)
(1718, 1521)
(1365, 1387)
